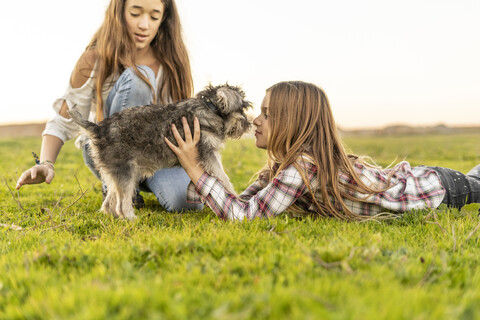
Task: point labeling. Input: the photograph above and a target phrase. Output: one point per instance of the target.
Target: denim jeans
(169, 185)
(461, 189)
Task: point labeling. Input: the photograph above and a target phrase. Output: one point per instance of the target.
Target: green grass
(71, 262)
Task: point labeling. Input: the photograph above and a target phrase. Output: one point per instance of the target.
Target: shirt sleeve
(194, 197)
(269, 201)
(80, 98)
(252, 190)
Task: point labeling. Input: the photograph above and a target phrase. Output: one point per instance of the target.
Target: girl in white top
(137, 57)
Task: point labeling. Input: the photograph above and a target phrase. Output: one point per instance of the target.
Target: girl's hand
(37, 174)
(186, 151)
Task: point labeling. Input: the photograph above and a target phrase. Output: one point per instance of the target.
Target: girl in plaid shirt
(308, 169)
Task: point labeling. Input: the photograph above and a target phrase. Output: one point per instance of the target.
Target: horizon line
(340, 127)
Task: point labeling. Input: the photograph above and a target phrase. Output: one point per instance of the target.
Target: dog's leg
(126, 188)
(107, 205)
(213, 165)
(110, 201)
(126, 203)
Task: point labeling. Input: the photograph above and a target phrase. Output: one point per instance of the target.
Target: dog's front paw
(108, 210)
(129, 214)
(131, 218)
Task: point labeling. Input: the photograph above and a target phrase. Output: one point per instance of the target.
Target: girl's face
(143, 19)
(262, 124)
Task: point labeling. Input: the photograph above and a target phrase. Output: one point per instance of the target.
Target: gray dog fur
(129, 146)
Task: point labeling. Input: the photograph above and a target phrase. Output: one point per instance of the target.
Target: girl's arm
(275, 198)
(58, 129)
(252, 190)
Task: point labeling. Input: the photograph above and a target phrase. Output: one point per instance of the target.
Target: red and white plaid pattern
(410, 188)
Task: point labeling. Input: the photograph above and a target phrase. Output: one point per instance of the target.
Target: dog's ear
(230, 98)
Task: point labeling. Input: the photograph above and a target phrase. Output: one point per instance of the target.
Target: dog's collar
(211, 105)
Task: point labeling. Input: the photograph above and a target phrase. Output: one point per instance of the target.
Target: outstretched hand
(36, 174)
(186, 151)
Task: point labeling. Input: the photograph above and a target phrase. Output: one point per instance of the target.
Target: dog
(129, 146)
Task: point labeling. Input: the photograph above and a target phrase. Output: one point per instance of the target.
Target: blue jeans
(461, 189)
(169, 185)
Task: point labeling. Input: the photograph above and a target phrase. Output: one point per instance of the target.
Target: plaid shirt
(410, 188)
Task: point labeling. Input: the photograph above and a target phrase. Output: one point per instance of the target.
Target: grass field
(69, 261)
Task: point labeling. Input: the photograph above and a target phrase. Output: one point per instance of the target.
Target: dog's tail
(88, 126)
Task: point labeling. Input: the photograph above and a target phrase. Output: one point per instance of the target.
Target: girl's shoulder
(84, 68)
(306, 162)
(303, 164)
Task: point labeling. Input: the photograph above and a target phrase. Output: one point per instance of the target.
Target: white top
(83, 99)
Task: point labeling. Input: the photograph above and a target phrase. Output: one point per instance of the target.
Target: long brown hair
(115, 51)
(302, 124)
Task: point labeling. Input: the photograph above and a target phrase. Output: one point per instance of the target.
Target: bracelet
(47, 162)
(43, 162)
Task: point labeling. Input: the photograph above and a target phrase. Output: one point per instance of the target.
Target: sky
(381, 62)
